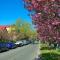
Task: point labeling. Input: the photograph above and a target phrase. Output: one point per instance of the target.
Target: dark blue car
(4, 46)
(10, 45)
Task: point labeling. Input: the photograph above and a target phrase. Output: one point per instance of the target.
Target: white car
(19, 43)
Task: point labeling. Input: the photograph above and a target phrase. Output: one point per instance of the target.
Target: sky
(11, 10)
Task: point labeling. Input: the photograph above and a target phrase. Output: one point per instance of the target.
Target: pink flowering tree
(46, 17)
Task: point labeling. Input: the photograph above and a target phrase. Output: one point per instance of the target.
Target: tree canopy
(46, 17)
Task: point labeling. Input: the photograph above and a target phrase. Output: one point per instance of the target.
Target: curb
(38, 56)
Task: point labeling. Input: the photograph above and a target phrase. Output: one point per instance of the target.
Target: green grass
(49, 54)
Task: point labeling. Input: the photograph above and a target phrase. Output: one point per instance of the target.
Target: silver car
(19, 43)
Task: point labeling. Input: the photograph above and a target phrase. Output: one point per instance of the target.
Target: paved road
(28, 52)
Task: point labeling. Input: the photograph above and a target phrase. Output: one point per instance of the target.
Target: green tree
(18, 24)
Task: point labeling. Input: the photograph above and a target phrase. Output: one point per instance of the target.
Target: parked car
(25, 42)
(3, 47)
(19, 43)
(28, 42)
(11, 45)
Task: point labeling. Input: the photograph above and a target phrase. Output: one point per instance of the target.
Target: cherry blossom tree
(46, 17)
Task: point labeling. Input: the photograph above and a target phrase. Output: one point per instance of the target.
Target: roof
(3, 27)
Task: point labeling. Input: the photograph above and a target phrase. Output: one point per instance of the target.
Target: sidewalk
(38, 54)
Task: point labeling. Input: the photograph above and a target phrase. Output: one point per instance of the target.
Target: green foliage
(25, 29)
(18, 25)
(4, 40)
(48, 53)
(44, 47)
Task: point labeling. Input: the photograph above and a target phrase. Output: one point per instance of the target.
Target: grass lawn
(49, 54)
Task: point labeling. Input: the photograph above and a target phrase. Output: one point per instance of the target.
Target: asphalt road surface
(28, 52)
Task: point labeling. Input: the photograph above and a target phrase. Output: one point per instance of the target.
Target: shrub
(50, 56)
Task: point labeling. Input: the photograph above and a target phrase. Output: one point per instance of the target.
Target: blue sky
(11, 10)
